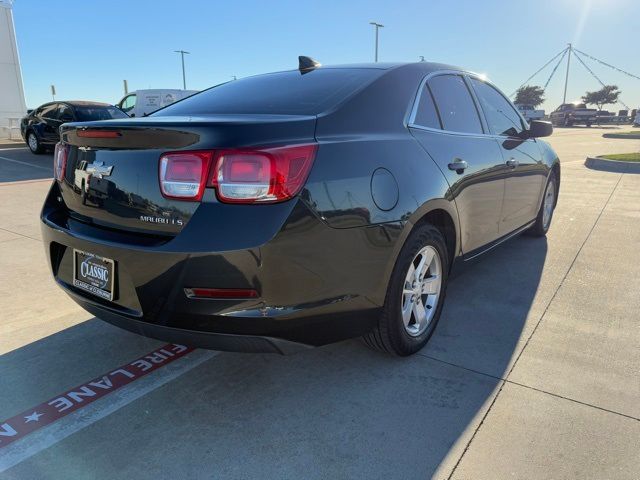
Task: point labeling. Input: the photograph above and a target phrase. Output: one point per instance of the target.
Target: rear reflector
(60, 160)
(98, 133)
(183, 174)
(221, 293)
(261, 175)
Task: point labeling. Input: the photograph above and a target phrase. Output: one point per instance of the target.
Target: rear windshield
(85, 114)
(285, 93)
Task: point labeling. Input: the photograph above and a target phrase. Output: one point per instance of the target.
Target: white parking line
(30, 445)
(27, 164)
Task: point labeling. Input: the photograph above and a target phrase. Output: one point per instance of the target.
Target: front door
(50, 123)
(525, 170)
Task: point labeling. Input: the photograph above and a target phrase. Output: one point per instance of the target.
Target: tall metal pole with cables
(566, 78)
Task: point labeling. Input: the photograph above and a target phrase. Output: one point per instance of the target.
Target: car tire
(547, 207)
(34, 143)
(412, 309)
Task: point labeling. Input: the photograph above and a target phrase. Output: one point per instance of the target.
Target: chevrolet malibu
(294, 209)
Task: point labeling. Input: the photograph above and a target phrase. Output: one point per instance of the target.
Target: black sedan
(295, 209)
(40, 128)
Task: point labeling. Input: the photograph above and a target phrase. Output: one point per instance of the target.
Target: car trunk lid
(111, 176)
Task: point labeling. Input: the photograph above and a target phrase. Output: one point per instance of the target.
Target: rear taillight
(247, 175)
(183, 175)
(60, 160)
(261, 175)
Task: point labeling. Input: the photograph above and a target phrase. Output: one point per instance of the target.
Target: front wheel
(545, 214)
(33, 143)
(415, 294)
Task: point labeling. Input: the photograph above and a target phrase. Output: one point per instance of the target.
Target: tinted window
(65, 114)
(455, 105)
(49, 111)
(501, 117)
(426, 113)
(277, 93)
(85, 114)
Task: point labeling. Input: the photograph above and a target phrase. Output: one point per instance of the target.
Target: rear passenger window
(457, 111)
(426, 113)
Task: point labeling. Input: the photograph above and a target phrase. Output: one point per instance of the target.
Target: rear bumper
(316, 284)
(210, 340)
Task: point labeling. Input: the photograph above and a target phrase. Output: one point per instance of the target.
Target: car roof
(426, 67)
(84, 103)
(77, 103)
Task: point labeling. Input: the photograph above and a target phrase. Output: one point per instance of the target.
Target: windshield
(283, 93)
(85, 114)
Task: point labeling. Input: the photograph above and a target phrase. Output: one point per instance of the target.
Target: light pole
(377, 27)
(184, 78)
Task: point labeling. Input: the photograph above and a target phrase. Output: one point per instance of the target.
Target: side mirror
(538, 128)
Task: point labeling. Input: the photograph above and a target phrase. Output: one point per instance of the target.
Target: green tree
(530, 95)
(605, 96)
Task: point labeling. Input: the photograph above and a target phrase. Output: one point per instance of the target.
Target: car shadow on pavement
(340, 411)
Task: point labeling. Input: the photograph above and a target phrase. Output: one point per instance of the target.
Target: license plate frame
(88, 274)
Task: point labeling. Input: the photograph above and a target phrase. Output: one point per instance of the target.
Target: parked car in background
(296, 209)
(636, 120)
(603, 117)
(145, 102)
(530, 113)
(569, 114)
(40, 128)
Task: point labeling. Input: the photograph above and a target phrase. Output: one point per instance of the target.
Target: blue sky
(86, 48)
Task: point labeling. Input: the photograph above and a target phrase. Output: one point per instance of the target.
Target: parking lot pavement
(19, 164)
(532, 372)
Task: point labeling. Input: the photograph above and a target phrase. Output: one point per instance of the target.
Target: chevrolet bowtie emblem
(99, 169)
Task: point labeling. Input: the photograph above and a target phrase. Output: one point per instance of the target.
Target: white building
(12, 104)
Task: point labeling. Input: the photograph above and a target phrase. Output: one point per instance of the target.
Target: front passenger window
(502, 118)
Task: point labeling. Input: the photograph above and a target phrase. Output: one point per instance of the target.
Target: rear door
(525, 171)
(447, 124)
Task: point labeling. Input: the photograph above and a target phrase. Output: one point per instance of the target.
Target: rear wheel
(33, 143)
(545, 214)
(415, 294)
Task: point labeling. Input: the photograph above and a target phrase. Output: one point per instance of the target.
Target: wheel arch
(443, 215)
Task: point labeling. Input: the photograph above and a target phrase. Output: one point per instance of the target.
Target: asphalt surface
(531, 373)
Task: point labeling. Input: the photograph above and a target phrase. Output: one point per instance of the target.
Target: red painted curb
(62, 405)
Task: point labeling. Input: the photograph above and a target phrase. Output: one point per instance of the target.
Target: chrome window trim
(465, 76)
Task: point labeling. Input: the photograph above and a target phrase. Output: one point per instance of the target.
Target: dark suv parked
(297, 208)
(40, 128)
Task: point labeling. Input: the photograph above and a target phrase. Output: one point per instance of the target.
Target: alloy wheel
(549, 202)
(421, 291)
(32, 141)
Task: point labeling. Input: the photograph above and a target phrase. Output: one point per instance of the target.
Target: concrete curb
(603, 164)
(618, 135)
(12, 144)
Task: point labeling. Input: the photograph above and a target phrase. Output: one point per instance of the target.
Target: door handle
(512, 163)
(458, 165)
